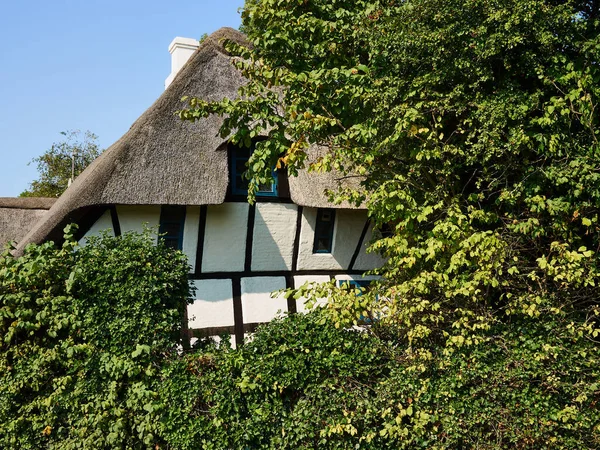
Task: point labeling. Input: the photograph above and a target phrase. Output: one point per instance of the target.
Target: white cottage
(185, 180)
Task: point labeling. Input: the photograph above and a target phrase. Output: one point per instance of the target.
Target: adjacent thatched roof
(27, 202)
(19, 215)
(162, 160)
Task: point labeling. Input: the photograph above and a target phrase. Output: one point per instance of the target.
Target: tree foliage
(63, 161)
(475, 127)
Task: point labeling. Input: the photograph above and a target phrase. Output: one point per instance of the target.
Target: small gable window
(172, 219)
(239, 185)
(324, 231)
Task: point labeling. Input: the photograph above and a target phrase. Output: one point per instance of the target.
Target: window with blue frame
(324, 231)
(361, 286)
(239, 185)
(172, 219)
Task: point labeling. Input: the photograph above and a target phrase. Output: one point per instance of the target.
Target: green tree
(62, 162)
(475, 126)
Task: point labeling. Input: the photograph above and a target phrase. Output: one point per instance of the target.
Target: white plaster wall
(257, 304)
(190, 234)
(225, 238)
(103, 223)
(213, 304)
(133, 218)
(299, 280)
(348, 227)
(367, 261)
(273, 239)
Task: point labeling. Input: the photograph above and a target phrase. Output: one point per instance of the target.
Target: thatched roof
(162, 160)
(27, 202)
(308, 188)
(18, 215)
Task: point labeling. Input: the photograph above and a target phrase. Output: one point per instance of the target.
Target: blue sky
(88, 65)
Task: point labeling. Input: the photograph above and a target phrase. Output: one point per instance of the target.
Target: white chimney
(180, 49)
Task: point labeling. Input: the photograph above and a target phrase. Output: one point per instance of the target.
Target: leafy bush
(303, 383)
(88, 360)
(296, 384)
(84, 333)
(528, 384)
(473, 127)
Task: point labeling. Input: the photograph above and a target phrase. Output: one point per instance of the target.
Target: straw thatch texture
(162, 160)
(27, 202)
(18, 215)
(308, 188)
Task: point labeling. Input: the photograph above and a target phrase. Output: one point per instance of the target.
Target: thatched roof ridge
(27, 202)
(162, 160)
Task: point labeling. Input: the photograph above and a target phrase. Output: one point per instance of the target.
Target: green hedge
(303, 383)
(89, 360)
(85, 332)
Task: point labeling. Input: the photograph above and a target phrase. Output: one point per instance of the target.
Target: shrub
(303, 383)
(84, 333)
(88, 360)
(296, 384)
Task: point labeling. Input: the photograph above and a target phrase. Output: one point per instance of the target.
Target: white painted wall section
(225, 238)
(190, 235)
(299, 280)
(133, 218)
(257, 304)
(273, 239)
(213, 304)
(368, 261)
(102, 224)
(348, 228)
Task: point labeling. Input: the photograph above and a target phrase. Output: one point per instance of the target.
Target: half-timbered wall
(240, 253)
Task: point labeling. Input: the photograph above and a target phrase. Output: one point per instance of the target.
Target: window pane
(324, 231)
(323, 245)
(239, 157)
(172, 229)
(172, 219)
(241, 185)
(171, 243)
(240, 166)
(265, 188)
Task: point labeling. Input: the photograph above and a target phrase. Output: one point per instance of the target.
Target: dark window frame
(171, 225)
(324, 230)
